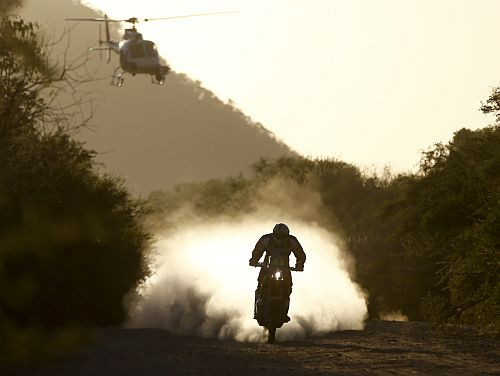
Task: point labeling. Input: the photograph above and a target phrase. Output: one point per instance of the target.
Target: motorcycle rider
(278, 245)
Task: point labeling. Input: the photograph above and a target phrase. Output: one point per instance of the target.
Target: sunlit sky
(370, 82)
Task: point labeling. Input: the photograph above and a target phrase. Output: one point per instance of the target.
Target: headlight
(277, 275)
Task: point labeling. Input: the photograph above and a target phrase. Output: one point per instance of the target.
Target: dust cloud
(393, 316)
(202, 284)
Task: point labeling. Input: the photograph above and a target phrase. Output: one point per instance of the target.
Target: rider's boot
(257, 304)
(287, 318)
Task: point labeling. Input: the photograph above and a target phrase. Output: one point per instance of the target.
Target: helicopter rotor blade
(188, 15)
(99, 19)
(134, 20)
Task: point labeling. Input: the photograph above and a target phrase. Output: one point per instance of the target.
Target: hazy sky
(370, 82)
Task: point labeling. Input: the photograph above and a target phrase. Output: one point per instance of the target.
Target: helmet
(281, 232)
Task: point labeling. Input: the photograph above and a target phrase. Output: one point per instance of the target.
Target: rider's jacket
(278, 252)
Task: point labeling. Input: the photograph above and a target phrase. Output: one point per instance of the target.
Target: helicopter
(137, 55)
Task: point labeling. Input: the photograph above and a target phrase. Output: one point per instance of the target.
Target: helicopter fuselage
(139, 56)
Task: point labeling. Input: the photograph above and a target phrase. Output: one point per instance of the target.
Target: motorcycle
(272, 301)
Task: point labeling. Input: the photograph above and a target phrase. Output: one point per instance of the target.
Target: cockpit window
(150, 49)
(136, 50)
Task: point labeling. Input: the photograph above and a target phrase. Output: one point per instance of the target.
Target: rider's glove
(299, 267)
(252, 262)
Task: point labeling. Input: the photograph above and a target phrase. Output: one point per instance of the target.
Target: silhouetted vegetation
(424, 243)
(71, 242)
(7, 6)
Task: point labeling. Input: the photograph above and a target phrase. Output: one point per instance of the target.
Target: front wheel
(272, 335)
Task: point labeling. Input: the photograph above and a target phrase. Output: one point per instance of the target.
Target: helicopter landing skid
(117, 77)
(155, 81)
(159, 77)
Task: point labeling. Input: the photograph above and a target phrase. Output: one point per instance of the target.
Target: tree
(71, 240)
(492, 104)
(459, 202)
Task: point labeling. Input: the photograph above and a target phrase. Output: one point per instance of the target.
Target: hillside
(156, 137)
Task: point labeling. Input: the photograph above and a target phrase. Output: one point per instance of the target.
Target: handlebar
(263, 265)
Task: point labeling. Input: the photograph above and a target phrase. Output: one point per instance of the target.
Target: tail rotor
(100, 42)
(104, 44)
(108, 38)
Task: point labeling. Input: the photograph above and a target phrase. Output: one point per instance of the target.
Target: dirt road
(383, 348)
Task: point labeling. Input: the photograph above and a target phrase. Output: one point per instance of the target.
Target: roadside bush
(71, 240)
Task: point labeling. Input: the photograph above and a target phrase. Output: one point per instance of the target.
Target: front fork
(258, 303)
